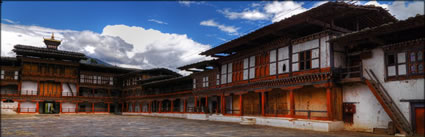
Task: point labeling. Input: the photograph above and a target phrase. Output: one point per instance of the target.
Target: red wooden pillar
(329, 103)
(196, 101)
(240, 105)
(60, 107)
(92, 107)
(291, 103)
(262, 103)
(122, 107)
(149, 107)
(206, 104)
(109, 107)
(78, 89)
(160, 105)
(133, 107)
(141, 107)
(223, 104)
(19, 107)
(184, 105)
(172, 105)
(76, 107)
(36, 107)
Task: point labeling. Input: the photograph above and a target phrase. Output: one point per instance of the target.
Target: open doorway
(49, 107)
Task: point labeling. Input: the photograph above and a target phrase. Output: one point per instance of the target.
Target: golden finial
(53, 35)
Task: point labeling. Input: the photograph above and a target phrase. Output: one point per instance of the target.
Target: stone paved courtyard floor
(117, 125)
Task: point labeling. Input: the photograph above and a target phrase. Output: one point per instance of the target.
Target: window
(2, 74)
(261, 65)
(252, 67)
(81, 78)
(229, 72)
(218, 79)
(194, 83)
(205, 82)
(304, 60)
(111, 81)
(237, 71)
(16, 75)
(224, 74)
(396, 64)
(416, 63)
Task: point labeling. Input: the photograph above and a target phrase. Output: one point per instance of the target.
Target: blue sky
(174, 24)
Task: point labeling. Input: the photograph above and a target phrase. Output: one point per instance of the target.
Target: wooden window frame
(408, 63)
(303, 60)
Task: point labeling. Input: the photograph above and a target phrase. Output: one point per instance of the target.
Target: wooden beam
(329, 103)
(291, 103)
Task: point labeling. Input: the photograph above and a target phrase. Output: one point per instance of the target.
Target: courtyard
(117, 125)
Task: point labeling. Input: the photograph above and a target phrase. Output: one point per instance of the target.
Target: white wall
(368, 110)
(28, 106)
(29, 86)
(67, 90)
(324, 52)
(68, 107)
(9, 108)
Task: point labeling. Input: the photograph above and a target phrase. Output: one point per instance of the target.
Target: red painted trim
(263, 100)
(329, 103)
(240, 105)
(291, 103)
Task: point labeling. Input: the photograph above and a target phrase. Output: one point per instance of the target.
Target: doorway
(49, 107)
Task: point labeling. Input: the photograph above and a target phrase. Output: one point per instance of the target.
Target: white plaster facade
(29, 88)
(369, 112)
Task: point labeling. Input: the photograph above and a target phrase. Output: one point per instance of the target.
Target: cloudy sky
(151, 34)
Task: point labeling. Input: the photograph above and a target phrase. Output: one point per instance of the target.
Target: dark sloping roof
(410, 23)
(101, 67)
(340, 12)
(199, 65)
(45, 52)
(167, 81)
(162, 71)
(155, 78)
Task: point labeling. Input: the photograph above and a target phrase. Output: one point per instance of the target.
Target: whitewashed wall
(320, 50)
(8, 107)
(68, 107)
(325, 60)
(29, 86)
(67, 91)
(370, 113)
(28, 106)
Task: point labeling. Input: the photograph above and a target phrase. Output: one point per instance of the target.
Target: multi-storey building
(51, 81)
(337, 66)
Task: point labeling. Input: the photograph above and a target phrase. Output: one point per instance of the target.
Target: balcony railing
(32, 93)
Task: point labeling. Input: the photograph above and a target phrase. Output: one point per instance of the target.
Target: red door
(419, 120)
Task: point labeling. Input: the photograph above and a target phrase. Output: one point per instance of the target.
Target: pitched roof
(338, 12)
(45, 52)
(199, 65)
(410, 23)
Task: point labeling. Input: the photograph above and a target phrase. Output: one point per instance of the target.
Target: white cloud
(126, 46)
(246, 14)
(276, 11)
(188, 3)
(157, 21)
(402, 9)
(9, 21)
(231, 30)
(284, 9)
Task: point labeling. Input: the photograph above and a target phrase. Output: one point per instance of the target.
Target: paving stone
(117, 125)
